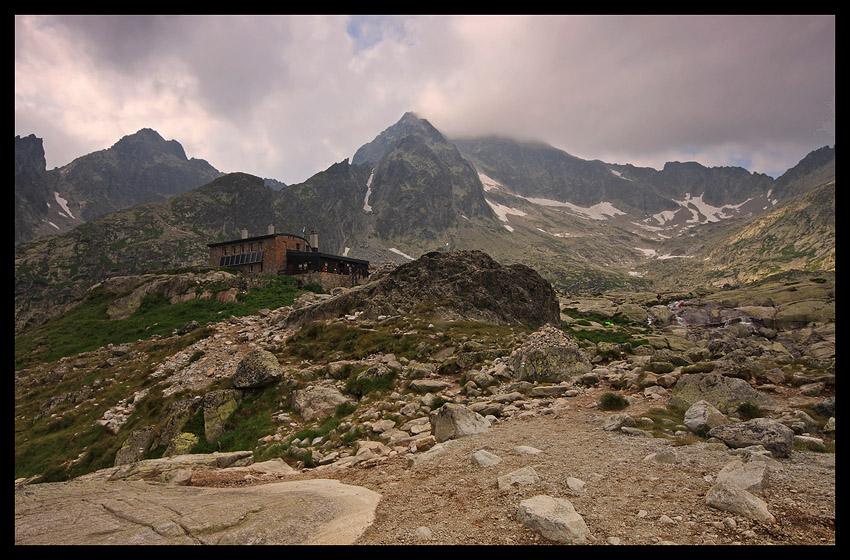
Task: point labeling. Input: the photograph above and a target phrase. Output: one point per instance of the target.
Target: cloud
(287, 96)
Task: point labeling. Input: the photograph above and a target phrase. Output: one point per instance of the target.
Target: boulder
(428, 385)
(750, 475)
(484, 458)
(452, 421)
(549, 355)
(774, 436)
(258, 368)
(701, 417)
(520, 477)
(726, 496)
(826, 407)
(554, 518)
(182, 444)
(724, 393)
(615, 422)
(318, 401)
(174, 418)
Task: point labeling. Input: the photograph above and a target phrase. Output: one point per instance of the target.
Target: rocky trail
(624, 495)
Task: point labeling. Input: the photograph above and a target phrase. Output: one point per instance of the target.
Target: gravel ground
(626, 499)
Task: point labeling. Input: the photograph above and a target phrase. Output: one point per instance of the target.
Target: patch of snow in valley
(397, 252)
(637, 274)
(503, 211)
(669, 256)
(553, 234)
(647, 252)
(63, 203)
(366, 207)
(696, 206)
(601, 211)
(54, 225)
(345, 253)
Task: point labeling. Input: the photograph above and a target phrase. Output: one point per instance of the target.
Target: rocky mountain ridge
(139, 168)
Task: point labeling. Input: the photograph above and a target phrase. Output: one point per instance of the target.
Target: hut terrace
(284, 253)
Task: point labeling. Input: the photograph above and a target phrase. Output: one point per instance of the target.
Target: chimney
(244, 233)
(271, 229)
(314, 240)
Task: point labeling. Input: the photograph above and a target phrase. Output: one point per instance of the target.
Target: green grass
(88, 326)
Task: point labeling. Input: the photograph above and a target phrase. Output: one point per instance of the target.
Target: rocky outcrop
(464, 285)
(280, 513)
(218, 407)
(773, 435)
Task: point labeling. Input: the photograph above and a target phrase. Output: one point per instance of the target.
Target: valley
(537, 295)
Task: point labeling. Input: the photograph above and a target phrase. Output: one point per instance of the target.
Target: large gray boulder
(724, 393)
(258, 368)
(318, 401)
(772, 435)
(549, 355)
(726, 496)
(701, 417)
(452, 421)
(554, 518)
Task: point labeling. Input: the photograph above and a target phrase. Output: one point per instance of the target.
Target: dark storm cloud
(287, 96)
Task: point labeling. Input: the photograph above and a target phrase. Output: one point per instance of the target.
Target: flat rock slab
(96, 512)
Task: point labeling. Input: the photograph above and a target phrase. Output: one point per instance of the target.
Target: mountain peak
(147, 142)
(409, 124)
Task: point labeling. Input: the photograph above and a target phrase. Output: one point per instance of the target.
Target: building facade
(283, 253)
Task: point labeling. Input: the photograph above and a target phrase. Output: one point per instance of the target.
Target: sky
(285, 97)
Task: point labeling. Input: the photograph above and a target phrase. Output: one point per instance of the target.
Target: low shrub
(612, 401)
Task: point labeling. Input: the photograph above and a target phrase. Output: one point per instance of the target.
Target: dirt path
(626, 499)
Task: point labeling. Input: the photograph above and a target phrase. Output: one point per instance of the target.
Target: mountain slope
(411, 156)
(51, 271)
(584, 225)
(139, 168)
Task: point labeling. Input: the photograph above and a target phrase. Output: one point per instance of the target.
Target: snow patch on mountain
(601, 211)
(397, 252)
(63, 203)
(366, 207)
(620, 175)
(698, 207)
(488, 183)
(503, 211)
